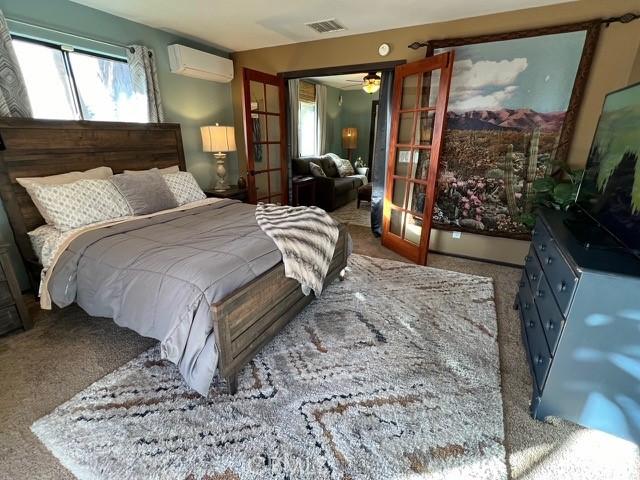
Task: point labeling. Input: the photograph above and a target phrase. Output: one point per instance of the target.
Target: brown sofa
(331, 191)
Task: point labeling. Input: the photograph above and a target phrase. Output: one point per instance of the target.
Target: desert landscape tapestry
(506, 111)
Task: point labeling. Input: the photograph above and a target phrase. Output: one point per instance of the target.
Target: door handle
(252, 173)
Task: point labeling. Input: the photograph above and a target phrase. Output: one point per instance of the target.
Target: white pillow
(342, 164)
(172, 169)
(29, 182)
(80, 203)
(184, 187)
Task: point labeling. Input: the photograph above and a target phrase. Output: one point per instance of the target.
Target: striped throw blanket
(306, 237)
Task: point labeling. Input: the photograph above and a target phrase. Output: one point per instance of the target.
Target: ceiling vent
(326, 26)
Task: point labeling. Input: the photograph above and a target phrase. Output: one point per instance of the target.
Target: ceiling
(351, 81)
(248, 24)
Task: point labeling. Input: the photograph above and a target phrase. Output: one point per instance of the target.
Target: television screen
(610, 188)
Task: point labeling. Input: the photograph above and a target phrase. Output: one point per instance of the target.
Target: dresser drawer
(539, 357)
(9, 319)
(551, 318)
(560, 275)
(5, 294)
(532, 267)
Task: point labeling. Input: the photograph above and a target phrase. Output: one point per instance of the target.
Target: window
(307, 128)
(77, 85)
(307, 119)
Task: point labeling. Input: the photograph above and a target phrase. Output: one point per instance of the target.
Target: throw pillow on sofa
(342, 164)
(316, 170)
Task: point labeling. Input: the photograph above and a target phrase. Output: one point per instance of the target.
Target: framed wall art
(512, 109)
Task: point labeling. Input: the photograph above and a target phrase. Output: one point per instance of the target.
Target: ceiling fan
(370, 83)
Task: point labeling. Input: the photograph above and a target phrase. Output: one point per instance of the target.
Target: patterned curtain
(145, 79)
(14, 101)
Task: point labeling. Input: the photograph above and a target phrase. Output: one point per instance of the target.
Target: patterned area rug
(350, 214)
(391, 374)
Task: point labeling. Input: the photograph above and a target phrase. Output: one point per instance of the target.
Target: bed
(243, 320)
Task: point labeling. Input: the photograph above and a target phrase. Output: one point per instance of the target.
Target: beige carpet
(350, 214)
(65, 353)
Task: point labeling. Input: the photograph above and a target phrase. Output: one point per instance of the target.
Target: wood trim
(375, 105)
(342, 69)
(510, 35)
(36, 148)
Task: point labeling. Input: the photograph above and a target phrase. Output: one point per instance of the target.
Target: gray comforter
(159, 276)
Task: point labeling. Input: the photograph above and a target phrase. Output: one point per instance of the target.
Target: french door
(418, 116)
(265, 137)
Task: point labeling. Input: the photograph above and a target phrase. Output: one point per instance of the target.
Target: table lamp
(219, 140)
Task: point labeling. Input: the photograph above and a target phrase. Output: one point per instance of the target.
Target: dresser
(579, 305)
(13, 312)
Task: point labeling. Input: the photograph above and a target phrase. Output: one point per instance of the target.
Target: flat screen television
(610, 189)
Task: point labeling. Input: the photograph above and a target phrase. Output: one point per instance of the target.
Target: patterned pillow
(44, 240)
(80, 203)
(316, 170)
(184, 187)
(92, 174)
(342, 164)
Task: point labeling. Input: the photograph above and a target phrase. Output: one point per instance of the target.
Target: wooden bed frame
(245, 320)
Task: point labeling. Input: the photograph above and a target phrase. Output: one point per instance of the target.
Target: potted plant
(359, 166)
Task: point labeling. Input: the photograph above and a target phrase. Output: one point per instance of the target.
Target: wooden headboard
(36, 148)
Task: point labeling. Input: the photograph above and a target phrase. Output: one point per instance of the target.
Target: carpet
(350, 214)
(392, 373)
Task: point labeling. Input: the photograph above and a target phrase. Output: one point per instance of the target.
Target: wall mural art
(512, 107)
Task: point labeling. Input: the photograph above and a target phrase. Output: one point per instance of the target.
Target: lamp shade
(349, 138)
(217, 138)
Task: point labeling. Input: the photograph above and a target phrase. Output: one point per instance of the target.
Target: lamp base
(221, 185)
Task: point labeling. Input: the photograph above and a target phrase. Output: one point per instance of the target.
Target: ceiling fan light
(371, 83)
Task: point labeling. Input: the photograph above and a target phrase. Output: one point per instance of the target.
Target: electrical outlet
(457, 235)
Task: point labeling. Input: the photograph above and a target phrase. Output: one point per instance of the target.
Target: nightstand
(234, 193)
(13, 311)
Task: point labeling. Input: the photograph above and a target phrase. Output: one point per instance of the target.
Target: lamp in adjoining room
(219, 140)
(349, 140)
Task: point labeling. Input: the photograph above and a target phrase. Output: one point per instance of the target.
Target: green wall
(356, 112)
(188, 101)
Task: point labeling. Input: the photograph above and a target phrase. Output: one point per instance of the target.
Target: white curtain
(145, 79)
(294, 106)
(321, 121)
(14, 100)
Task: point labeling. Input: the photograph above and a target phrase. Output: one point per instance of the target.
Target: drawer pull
(543, 247)
(551, 325)
(534, 277)
(534, 232)
(549, 260)
(539, 359)
(563, 286)
(540, 293)
(527, 258)
(527, 306)
(531, 324)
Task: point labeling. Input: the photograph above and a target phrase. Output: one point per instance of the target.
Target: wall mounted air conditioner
(195, 63)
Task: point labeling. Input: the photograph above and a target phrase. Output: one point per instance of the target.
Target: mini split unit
(195, 63)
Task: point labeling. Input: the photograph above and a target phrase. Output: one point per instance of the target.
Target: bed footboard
(250, 317)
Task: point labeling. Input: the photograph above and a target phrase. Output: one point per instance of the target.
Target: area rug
(350, 214)
(391, 374)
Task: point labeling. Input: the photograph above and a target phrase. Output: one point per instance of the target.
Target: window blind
(307, 92)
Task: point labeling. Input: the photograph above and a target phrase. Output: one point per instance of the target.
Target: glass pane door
(421, 93)
(265, 137)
